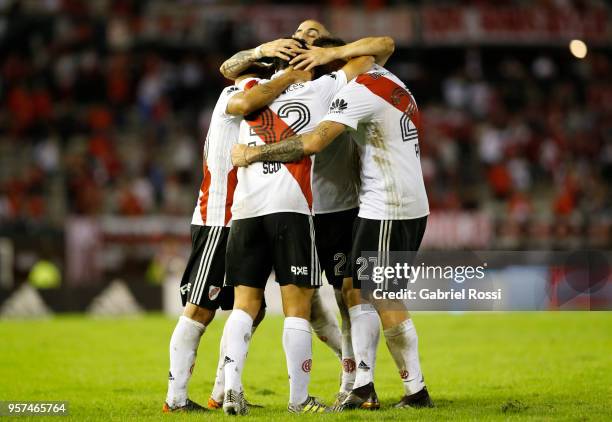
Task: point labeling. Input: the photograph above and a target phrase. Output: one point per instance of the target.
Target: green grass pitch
(536, 366)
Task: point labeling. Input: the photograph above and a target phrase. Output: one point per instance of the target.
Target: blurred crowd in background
(104, 113)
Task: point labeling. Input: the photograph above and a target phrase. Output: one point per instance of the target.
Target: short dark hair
(328, 42)
(280, 64)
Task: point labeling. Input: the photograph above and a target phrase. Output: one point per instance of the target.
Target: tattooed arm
(261, 95)
(380, 47)
(290, 149)
(239, 62)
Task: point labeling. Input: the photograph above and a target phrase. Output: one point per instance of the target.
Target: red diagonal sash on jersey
(394, 94)
(271, 128)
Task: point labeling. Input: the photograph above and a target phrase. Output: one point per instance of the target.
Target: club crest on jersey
(396, 99)
(213, 292)
(338, 106)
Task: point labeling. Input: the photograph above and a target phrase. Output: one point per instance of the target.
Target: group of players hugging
(311, 158)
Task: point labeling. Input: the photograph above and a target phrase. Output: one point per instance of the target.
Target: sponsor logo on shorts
(186, 288)
(213, 292)
(307, 365)
(299, 270)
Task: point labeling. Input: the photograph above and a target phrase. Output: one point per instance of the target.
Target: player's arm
(290, 149)
(239, 62)
(357, 66)
(261, 95)
(380, 47)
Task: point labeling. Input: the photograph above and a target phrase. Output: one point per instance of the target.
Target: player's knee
(297, 301)
(197, 313)
(250, 308)
(351, 297)
(248, 299)
(345, 295)
(297, 307)
(249, 305)
(318, 316)
(391, 318)
(298, 311)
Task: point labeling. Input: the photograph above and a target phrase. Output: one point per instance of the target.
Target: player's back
(273, 187)
(213, 207)
(335, 182)
(386, 117)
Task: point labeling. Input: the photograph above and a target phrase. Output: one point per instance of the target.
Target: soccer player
(393, 211)
(335, 189)
(202, 289)
(334, 186)
(273, 228)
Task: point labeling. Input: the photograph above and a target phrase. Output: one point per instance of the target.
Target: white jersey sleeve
(328, 85)
(350, 106)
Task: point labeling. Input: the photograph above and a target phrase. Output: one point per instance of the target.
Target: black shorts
(203, 281)
(383, 236)
(333, 237)
(281, 241)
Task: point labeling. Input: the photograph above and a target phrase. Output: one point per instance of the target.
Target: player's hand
(299, 75)
(315, 56)
(281, 48)
(239, 158)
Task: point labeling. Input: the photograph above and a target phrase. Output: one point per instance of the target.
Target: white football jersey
(335, 182)
(273, 187)
(213, 207)
(378, 106)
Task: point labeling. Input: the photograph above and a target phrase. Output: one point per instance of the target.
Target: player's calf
(403, 343)
(183, 350)
(349, 366)
(215, 401)
(325, 324)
